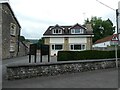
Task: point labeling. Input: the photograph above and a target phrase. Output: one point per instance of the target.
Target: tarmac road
(95, 79)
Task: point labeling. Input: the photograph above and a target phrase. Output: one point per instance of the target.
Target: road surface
(107, 78)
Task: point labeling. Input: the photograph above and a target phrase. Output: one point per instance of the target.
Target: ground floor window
(57, 47)
(12, 47)
(77, 46)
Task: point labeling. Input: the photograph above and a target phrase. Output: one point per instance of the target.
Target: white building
(105, 42)
(68, 38)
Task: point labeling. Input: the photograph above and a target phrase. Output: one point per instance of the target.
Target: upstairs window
(12, 29)
(77, 31)
(57, 31)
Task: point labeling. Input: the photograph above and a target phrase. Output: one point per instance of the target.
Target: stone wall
(23, 49)
(8, 18)
(0, 31)
(50, 69)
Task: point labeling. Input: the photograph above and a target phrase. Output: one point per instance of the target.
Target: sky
(35, 16)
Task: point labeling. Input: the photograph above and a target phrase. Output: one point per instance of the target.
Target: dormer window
(77, 31)
(57, 31)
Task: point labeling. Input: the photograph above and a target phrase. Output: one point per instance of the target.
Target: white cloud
(35, 16)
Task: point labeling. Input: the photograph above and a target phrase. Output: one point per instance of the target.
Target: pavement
(106, 78)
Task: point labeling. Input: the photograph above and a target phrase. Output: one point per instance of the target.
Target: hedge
(85, 55)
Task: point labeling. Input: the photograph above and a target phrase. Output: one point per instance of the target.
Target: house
(106, 42)
(10, 31)
(68, 38)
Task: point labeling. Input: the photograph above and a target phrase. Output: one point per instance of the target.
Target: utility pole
(118, 26)
(117, 13)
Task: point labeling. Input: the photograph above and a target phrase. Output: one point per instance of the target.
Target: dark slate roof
(66, 30)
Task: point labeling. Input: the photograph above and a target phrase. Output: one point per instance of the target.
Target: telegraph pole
(118, 26)
(117, 13)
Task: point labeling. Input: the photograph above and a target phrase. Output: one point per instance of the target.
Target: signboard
(45, 51)
(115, 37)
(32, 51)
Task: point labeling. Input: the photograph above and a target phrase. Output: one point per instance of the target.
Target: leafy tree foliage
(40, 42)
(22, 38)
(101, 28)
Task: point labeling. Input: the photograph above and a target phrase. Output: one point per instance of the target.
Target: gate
(43, 49)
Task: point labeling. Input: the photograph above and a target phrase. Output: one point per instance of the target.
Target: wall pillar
(66, 44)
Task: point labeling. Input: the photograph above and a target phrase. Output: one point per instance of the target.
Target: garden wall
(50, 69)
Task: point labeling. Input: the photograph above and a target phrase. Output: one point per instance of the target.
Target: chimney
(89, 27)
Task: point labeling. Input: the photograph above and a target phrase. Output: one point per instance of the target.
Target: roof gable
(77, 26)
(8, 5)
(56, 27)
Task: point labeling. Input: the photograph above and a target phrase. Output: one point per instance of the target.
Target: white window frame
(55, 31)
(12, 29)
(73, 31)
(73, 46)
(53, 47)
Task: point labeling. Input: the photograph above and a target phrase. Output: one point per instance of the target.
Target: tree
(101, 28)
(40, 42)
(22, 38)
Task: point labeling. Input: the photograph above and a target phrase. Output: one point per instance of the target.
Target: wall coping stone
(58, 63)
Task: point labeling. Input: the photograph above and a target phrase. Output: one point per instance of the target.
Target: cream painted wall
(78, 40)
(71, 40)
(57, 40)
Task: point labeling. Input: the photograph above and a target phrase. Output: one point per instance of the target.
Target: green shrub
(85, 55)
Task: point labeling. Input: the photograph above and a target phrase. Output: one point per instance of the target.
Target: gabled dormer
(57, 29)
(69, 30)
(77, 29)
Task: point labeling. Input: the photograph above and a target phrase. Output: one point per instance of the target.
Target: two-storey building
(68, 38)
(10, 31)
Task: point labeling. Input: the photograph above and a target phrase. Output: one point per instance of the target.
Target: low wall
(50, 69)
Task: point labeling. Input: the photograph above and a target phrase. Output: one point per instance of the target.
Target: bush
(85, 55)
